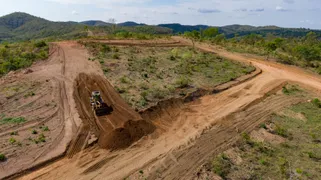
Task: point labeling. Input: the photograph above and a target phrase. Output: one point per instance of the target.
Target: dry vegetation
(145, 75)
(289, 150)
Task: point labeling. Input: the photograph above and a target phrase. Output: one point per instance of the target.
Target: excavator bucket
(103, 110)
(98, 105)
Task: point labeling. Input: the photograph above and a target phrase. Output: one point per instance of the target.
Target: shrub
(34, 131)
(182, 82)
(124, 80)
(29, 94)
(143, 86)
(2, 157)
(106, 70)
(263, 162)
(42, 138)
(45, 128)
(299, 171)
(115, 56)
(144, 94)
(158, 93)
(314, 156)
(105, 48)
(12, 140)
(317, 102)
(40, 44)
(15, 133)
(142, 102)
(285, 91)
(281, 131)
(222, 165)
(246, 137)
(283, 166)
(263, 126)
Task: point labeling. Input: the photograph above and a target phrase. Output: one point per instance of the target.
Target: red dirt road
(185, 134)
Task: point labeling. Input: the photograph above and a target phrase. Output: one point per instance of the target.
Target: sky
(283, 13)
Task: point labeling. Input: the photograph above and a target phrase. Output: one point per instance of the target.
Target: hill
(21, 26)
(242, 30)
(178, 28)
(95, 23)
(130, 24)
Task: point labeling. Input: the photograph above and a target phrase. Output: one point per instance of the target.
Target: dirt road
(185, 134)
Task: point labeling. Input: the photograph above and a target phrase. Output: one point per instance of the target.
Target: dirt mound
(124, 137)
(120, 128)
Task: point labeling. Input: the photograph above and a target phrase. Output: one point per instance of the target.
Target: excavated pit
(117, 130)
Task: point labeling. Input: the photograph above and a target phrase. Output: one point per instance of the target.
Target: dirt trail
(57, 76)
(120, 128)
(186, 134)
(144, 43)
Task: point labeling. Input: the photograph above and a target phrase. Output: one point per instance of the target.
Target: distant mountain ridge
(22, 26)
(241, 30)
(131, 23)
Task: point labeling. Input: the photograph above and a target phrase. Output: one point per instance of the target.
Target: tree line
(300, 51)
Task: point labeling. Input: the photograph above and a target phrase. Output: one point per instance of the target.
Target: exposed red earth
(169, 141)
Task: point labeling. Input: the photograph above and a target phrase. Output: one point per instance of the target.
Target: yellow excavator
(98, 105)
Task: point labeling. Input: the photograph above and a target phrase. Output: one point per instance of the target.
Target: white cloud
(280, 8)
(74, 12)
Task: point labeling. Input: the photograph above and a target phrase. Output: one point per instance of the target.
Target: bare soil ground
(177, 136)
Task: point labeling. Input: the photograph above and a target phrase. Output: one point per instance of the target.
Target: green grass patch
(291, 90)
(11, 120)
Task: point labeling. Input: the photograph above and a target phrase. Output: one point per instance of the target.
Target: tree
(308, 53)
(114, 25)
(278, 42)
(210, 32)
(252, 39)
(311, 38)
(193, 36)
(271, 47)
(219, 38)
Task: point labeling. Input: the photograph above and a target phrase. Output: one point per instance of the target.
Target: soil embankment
(187, 133)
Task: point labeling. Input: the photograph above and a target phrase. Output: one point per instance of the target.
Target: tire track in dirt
(180, 136)
(120, 128)
(218, 138)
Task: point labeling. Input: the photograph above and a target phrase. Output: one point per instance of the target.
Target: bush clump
(317, 102)
(2, 157)
(222, 165)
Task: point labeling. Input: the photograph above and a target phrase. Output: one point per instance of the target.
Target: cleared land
(146, 75)
(177, 136)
